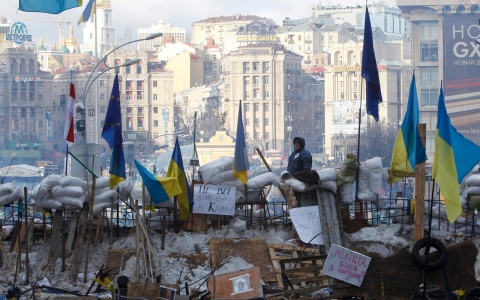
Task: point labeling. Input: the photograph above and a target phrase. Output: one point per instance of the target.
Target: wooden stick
(419, 191)
(6, 257)
(91, 200)
(62, 231)
(111, 222)
(44, 229)
(102, 225)
(137, 231)
(55, 240)
(164, 227)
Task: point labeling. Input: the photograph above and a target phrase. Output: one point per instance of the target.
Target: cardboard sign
(214, 199)
(307, 223)
(346, 265)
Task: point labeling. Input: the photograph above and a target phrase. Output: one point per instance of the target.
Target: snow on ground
(174, 269)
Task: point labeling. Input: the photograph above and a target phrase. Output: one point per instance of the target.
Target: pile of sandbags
(57, 192)
(370, 178)
(104, 196)
(472, 187)
(10, 193)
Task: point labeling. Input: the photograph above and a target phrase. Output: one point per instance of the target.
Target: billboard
(461, 63)
(345, 116)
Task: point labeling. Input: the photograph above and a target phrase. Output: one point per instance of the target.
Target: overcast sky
(131, 15)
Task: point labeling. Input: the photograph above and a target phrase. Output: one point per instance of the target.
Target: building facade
(105, 30)
(178, 35)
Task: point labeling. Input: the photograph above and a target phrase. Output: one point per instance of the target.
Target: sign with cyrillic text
(346, 265)
(214, 199)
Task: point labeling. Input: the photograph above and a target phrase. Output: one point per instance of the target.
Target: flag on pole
(176, 170)
(455, 156)
(240, 159)
(370, 71)
(48, 6)
(408, 150)
(160, 189)
(68, 134)
(89, 11)
(112, 133)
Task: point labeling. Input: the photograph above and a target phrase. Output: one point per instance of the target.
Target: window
(90, 35)
(247, 122)
(154, 83)
(265, 80)
(428, 41)
(266, 66)
(247, 80)
(155, 123)
(102, 83)
(102, 110)
(354, 96)
(102, 97)
(247, 106)
(266, 95)
(256, 66)
(299, 37)
(265, 122)
(267, 135)
(207, 57)
(40, 124)
(300, 47)
(257, 121)
(256, 107)
(323, 61)
(429, 86)
(256, 95)
(40, 111)
(342, 96)
(155, 97)
(256, 81)
(40, 137)
(354, 85)
(214, 57)
(155, 110)
(246, 67)
(129, 110)
(265, 106)
(341, 85)
(40, 84)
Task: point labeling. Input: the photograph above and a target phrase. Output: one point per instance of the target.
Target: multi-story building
(178, 34)
(304, 39)
(388, 19)
(217, 28)
(344, 92)
(444, 48)
(188, 70)
(105, 30)
(267, 79)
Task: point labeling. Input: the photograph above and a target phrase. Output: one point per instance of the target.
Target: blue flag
(88, 12)
(240, 159)
(370, 71)
(48, 6)
(112, 128)
(175, 169)
(112, 133)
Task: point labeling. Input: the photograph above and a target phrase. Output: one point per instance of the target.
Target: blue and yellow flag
(240, 158)
(48, 6)
(370, 71)
(112, 133)
(408, 150)
(160, 189)
(88, 12)
(455, 156)
(175, 169)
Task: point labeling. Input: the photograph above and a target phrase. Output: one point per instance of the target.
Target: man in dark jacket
(300, 159)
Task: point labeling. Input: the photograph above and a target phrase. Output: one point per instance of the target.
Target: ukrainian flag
(112, 133)
(89, 11)
(176, 170)
(160, 189)
(48, 6)
(240, 159)
(455, 156)
(408, 150)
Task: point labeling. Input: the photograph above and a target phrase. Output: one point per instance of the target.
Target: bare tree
(377, 140)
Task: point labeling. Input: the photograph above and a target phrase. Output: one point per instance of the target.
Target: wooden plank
(116, 260)
(329, 218)
(253, 251)
(145, 290)
(419, 191)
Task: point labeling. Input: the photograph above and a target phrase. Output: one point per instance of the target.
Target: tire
(432, 266)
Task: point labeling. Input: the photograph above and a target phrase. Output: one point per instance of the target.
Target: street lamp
(150, 37)
(176, 133)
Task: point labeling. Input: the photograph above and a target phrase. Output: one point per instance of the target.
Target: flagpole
(96, 83)
(66, 156)
(358, 137)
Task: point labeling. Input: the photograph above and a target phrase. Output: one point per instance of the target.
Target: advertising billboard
(462, 73)
(345, 116)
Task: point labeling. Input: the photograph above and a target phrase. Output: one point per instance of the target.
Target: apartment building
(178, 34)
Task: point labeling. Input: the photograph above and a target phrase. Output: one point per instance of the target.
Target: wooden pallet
(279, 252)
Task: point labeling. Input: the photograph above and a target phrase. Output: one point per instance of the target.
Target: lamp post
(175, 134)
(150, 37)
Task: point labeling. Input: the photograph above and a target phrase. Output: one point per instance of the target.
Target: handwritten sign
(346, 265)
(307, 223)
(214, 199)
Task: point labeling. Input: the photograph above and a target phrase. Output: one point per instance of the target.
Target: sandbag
(473, 179)
(327, 174)
(329, 185)
(221, 177)
(98, 208)
(136, 194)
(210, 169)
(239, 197)
(348, 171)
(297, 185)
(101, 182)
(6, 189)
(49, 203)
(73, 181)
(374, 165)
(345, 193)
(72, 202)
(236, 183)
(101, 190)
(106, 197)
(385, 174)
(67, 191)
(51, 181)
(262, 180)
(39, 192)
(126, 186)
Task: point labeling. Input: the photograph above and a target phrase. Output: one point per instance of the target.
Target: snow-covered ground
(385, 239)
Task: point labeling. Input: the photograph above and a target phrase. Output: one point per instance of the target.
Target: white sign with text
(346, 265)
(307, 223)
(214, 199)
